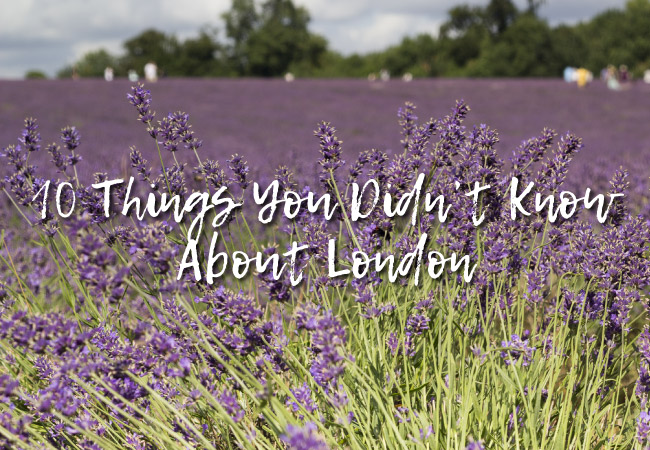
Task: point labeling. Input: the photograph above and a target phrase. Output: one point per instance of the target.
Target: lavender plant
(104, 347)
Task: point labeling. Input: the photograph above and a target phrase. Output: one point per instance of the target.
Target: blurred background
(324, 38)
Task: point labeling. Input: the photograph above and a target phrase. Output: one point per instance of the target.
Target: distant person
(108, 74)
(151, 72)
(384, 75)
(133, 76)
(623, 74)
(582, 77)
(407, 77)
(289, 77)
(612, 79)
(569, 74)
(75, 74)
(646, 76)
(603, 74)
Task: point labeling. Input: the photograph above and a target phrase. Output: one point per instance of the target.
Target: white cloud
(379, 31)
(335, 10)
(79, 49)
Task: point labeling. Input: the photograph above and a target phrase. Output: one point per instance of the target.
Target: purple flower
(213, 174)
(136, 441)
(530, 152)
(139, 164)
(70, 138)
(141, 99)
(407, 120)
(416, 324)
(174, 129)
(330, 148)
(233, 308)
(31, 137)
(231, 405)
(16, 157)
(327, 344)
(303, 400)
(516, 348)
(553, 172)
(393, 343)
(7, 387)
(60, 161)
(303, 438)
(402, 414)
(286, 179)
(240, 170)
(620, 185)
(17, 426)
(643, 427)
(475, 445)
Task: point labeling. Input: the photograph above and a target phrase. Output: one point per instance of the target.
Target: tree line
(494, 40)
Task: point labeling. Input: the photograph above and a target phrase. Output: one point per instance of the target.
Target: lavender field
(271, 122)
(114, 334)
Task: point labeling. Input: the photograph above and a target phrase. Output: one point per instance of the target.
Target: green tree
(498, 15)
(93, 63)
(156, 46)
(201, 56)
(241, 20)
(524, 49)
(35, 74)
(412, 54)
(461, 38)
(267, 42)
(619, 37)
(569, 47)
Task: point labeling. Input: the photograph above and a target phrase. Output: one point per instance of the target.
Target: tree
(569, 47)
(619, 37)
(156, 46)
(461, 20)
(469, 30)
(241, 20)
(35, 74)
(498, 15)
(93, 63)
(201, 56)
(269, 41)
(534, 5)
(413, 54)
(461, 37)
(524, 49)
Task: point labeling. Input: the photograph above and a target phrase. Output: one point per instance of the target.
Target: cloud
(377, 31)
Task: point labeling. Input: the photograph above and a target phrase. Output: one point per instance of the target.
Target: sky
(49, 34)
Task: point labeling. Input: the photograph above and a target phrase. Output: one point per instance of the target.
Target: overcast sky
(48, 34)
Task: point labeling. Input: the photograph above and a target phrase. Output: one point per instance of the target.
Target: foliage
(268, 41)
(35, 75)
(619, 37)
(152, 45)
(523, 49)
(92, 64)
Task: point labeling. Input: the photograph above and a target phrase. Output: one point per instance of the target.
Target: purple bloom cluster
(516, 349)
(327, 344)
(304, 438)
(303, 399)
(330, 147)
